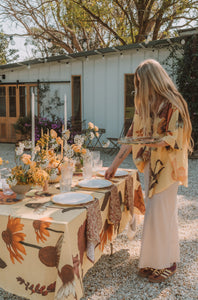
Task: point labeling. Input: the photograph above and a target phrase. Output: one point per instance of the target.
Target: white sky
(24, 51)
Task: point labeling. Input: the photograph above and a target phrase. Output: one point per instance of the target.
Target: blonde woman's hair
(152, 86)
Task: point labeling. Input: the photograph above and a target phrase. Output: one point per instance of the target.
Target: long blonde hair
(152, 86)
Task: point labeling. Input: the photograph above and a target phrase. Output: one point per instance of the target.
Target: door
(76, 103)
(129, 101)
(14, 103)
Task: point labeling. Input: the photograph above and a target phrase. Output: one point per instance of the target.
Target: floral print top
(167, 164)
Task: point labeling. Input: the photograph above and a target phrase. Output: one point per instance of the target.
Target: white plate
(72, 198)
(95, 183)
(118, 173)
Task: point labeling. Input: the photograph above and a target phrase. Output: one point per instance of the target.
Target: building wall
(102, 82)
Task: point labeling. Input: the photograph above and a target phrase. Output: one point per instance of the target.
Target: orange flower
(41, 231)
(1, 161)
(53, 133)
(26, 159)
(76, 148)
(51, 152)
(83, 151)
(12, 237)
(59, 140)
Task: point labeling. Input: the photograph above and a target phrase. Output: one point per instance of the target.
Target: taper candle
(33, 126)
(65, 112)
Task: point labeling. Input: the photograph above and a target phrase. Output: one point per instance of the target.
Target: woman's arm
(120, 157)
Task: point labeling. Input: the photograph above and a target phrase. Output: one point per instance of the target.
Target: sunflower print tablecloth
(46, 255)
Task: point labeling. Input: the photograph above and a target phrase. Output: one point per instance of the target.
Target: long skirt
(160, 239)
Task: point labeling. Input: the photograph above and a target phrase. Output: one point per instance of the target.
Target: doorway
(129, 107)
(15, 102)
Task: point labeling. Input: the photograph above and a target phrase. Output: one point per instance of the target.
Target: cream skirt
(160, 240)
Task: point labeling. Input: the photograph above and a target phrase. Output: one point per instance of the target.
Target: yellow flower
(1, 161)
(53, 133)
(96, 128)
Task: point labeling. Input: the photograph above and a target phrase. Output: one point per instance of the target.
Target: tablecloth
(47, 255)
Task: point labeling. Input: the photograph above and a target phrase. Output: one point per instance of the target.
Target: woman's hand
(122, 154)
(110, 172)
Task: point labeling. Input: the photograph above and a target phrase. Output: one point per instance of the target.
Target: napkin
(94, 225)
(115, 212)
(129, 201)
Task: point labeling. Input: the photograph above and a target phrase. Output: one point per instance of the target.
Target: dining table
(47, 245)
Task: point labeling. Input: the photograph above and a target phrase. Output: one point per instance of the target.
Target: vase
(21, 190)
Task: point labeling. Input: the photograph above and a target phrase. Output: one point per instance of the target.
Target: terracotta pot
(21, 190)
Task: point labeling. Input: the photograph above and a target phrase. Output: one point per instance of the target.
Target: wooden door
(129, 101)
(76, 103)
(14, 103)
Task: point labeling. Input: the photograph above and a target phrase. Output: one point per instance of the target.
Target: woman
(162, 115)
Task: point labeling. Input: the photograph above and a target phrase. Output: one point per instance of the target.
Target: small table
(48, 253)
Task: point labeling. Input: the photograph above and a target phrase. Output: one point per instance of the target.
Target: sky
(24, 51)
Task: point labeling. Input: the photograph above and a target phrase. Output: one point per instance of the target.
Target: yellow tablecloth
(44, 256)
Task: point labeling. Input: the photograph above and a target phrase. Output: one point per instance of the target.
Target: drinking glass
(65, 185)
(5, 187)
(95, 156)
(66, 178)
(87, 168)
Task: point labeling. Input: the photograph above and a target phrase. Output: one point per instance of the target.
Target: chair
(114, 146)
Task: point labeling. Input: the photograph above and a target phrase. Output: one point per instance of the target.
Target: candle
(42, 132)
(33, 126)
(65, 112)
(47, 148)
(62, 150)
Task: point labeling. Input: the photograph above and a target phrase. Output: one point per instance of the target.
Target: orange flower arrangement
(26, 171)
(78, 151)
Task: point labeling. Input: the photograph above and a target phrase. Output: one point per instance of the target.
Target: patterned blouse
(167, 164)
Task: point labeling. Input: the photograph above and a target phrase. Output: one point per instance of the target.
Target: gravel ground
(115, 277)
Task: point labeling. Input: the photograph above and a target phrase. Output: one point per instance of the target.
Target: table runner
(45, 256)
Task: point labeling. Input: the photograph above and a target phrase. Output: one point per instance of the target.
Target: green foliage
(187, 74)
(185, 71)
(6, 54)
(3, 46)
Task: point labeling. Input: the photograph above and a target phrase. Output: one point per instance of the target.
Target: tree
(187, 74)
(6, 55)
(76, 25)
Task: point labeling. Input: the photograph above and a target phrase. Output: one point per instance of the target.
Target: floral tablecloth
(46, 255)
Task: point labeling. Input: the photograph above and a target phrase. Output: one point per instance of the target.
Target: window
(12, 101)
(22, 101)
(2, 101)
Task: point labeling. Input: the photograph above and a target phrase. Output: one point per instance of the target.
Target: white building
(98, 85)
